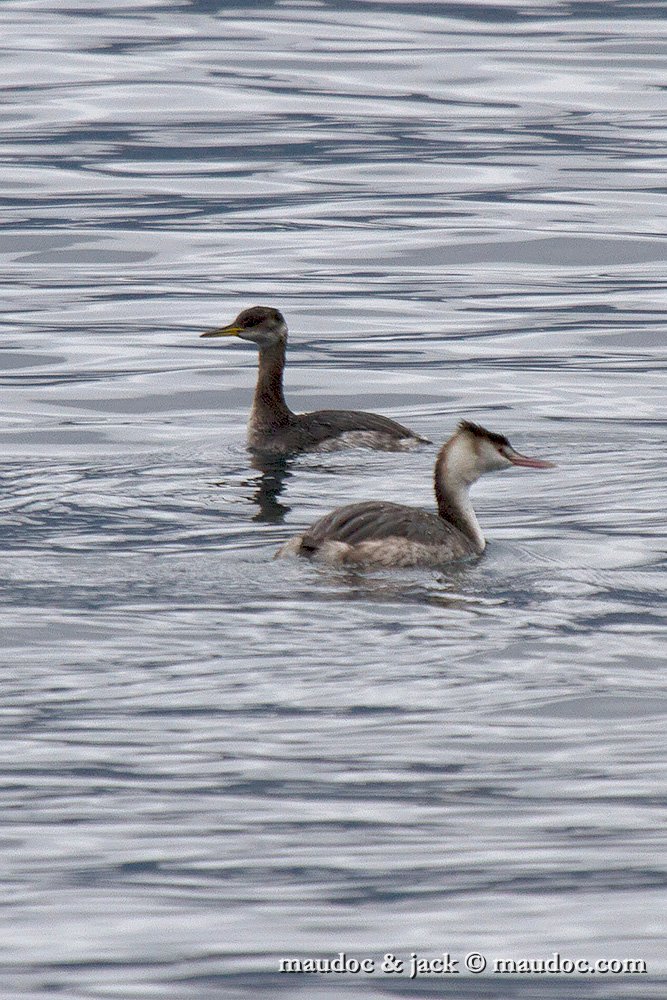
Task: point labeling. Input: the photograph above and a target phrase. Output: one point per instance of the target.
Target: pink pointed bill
(530, 463)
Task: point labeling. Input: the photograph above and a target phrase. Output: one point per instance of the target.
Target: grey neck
(269, 409)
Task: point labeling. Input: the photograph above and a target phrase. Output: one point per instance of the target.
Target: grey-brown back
(324, 424)
(376, 520)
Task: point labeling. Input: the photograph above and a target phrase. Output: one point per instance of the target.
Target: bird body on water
(273, 428)
(381, 533)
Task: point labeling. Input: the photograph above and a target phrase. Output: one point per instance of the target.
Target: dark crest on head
(481, 432)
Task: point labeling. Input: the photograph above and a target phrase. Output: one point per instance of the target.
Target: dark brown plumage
(274, 428)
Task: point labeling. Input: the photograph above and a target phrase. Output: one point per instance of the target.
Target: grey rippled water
(212, 761)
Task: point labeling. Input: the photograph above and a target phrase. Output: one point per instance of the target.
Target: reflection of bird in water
(274, 428)
(269, 485)
(391, 534)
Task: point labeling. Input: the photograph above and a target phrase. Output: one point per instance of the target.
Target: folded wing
(377, 520)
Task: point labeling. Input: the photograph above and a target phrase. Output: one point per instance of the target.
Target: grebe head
(262, 325)
(474, 451)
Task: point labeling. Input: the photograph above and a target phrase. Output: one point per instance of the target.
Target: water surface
(212, 760)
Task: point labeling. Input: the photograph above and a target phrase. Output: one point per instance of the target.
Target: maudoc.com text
(414, 965)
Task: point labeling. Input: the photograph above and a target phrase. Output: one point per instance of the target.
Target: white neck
(456, 469)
